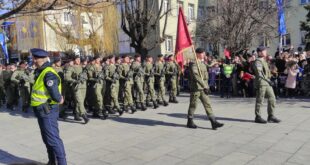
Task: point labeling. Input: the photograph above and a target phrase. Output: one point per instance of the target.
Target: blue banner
(3, 46)
(281, 18)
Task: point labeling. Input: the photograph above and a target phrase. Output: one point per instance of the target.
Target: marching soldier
(57, 67)
(138, 82)
(149, 79)
(199, 89)
(22, 79)
(112, 76)
(126, 82)
(69, 98)
(160, 80)
(2, 94)
(96, 76)
(263, 87)
(172, 75)
(77, 76)
(11, 90)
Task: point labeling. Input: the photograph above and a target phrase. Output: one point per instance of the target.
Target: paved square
(159, 136)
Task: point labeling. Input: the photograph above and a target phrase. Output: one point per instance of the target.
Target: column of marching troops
(110, 85)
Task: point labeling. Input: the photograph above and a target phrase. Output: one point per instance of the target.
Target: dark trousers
(50, 133)
(226, 87)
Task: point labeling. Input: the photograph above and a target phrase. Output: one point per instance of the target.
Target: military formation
(100, 86)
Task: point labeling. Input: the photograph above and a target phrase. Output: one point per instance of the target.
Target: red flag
(227, 53)
(183, 40)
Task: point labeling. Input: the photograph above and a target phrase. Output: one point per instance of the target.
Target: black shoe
(125, 109)
(273, 119)
(133, 109)
(159, 102)
(25, 109)
(155, 105)
(120, 112)
(85, 118)
(51, 163)
(148, 104)
(166, 103)
(174, 100)
(77, 117)
(111, 111)
(260, 120)
(215, 124)
(191, 124)
(143, 107)
(138, 106)
(63, 115)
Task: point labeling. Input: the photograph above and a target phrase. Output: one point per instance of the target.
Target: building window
(303, 2)
(286, 40)
(67, 16)
(210, 11)
(167, 6)
(303, 37)
(201, 12)
(169, 44)
(263, 40)
(191, 12)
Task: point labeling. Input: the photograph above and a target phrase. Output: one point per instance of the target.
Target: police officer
(172, 75)
(45, 99)
(149, 81)
(199, 89)
(22, 78)
(160, 68)
(138, 82)
(263, 87)
(227, 73)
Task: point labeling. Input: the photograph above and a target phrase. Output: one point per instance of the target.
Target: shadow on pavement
(7, 158)
(146, 122)
(204, 117)
(18, 112)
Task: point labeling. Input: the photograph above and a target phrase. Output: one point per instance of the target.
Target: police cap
(39, 53)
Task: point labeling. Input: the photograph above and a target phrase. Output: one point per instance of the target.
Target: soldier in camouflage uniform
(77, 76)
(149, 81)
(138, 77)
(22, 79)
(112, 76)
(263, 87)
(69, 98)
(126, 81)
(199, 89)
(11, 90)
(2, 94)
(160, 68)
(96, 76)
(172, 75)
(58, 68)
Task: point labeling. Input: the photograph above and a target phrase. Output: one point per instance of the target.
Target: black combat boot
(25, 109)
(85, 118)
(148, 104)
(143, 107)
(77, 117)
(63, 115)
(159, 102)
(260, 120)
(273, 119)
(120, 112)
(215, 124)
(191, 124)
(133, 109)
(170, 99)
(138, 105)
(125, 109)
(166, 103)
(155, 105)
(174, 100)
(110, 110)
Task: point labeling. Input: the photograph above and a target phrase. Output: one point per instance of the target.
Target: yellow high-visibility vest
(39, 93)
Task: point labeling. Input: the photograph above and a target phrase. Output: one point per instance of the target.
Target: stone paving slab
(159, 136)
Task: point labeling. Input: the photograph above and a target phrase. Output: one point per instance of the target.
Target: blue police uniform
(47, 118)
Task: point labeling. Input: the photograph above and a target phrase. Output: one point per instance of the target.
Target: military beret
(137, 55)
(261, 48)
(199, 50)
(57, 59)
(148, 56)
(110, 57)
(75, 57)
(23, 62)
(83, 59)
(160, 55)
(96, 57)
(117, 58)
(39, 53)
(124, 56)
